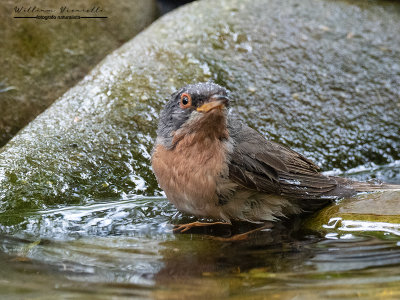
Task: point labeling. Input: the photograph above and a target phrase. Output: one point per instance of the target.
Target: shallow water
(126, 249)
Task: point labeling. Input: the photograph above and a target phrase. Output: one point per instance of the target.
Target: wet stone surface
(375, 213)
(326, 86)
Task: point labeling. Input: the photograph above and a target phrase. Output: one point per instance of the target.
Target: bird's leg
(241, 236)
(185, 227)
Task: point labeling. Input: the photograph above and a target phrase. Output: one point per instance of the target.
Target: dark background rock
(319, 76)
(168, 5)
(41, 59)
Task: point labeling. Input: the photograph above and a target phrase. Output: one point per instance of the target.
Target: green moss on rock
(377, 213)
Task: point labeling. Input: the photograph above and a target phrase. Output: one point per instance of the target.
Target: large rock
(319, 76)
(41, 59)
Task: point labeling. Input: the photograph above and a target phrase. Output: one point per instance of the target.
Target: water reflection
(127, 249)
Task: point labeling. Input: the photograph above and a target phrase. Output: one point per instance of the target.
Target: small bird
(210, 164)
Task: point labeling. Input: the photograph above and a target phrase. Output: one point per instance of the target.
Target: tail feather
(312, 195)
(374, 186)
(348, 185)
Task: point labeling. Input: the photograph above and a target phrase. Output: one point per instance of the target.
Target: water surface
(126, 249)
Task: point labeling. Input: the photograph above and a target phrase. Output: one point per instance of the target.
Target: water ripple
(131, 217)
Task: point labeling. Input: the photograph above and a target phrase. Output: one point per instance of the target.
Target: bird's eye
(186, 101)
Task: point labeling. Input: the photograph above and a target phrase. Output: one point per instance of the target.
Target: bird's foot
(185, 227)
(240, 236)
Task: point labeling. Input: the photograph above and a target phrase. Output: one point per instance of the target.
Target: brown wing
(268, 167)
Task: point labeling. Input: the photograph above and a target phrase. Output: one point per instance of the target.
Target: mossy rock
(319, 76)
(41, 59)
(374, 213)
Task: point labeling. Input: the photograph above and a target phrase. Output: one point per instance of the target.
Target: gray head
(191, 102)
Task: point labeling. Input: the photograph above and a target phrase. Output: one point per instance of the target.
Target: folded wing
(265, 166)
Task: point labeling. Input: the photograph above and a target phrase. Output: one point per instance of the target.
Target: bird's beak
(216, 101)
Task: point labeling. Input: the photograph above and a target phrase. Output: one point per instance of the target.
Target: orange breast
(188, 173)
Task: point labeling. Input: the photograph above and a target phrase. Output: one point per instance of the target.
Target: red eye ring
(186, 101)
